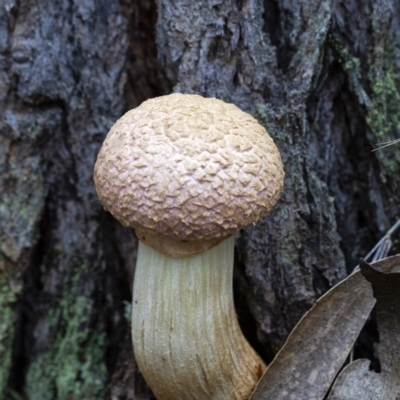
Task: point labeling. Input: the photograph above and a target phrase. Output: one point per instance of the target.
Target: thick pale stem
(186, 337)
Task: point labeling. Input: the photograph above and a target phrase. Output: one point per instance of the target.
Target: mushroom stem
(186, 337)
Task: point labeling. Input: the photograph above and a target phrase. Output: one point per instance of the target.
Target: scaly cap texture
(188, 167)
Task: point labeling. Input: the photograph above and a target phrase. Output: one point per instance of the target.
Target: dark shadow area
(146, 77)
(247, 322)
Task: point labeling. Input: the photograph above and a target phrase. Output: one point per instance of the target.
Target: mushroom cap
(189, 168)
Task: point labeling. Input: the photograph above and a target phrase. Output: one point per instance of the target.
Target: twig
(382, 248)
(382, 145)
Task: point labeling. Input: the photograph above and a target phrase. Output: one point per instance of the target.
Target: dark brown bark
(320, 75)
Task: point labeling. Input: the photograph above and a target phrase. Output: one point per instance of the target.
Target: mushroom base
(186, 338)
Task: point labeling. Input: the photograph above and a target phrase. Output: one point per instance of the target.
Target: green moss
(273, 120)
(34, 130)
(128, 311)
(382, 101)
(349, 62)
(384, 113)
(73, 366)
(11, 395)
(263, 112)
(10, 288)
(289, 256)
(22, 203)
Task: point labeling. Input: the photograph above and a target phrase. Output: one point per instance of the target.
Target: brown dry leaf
(356, 381)
(318, 346)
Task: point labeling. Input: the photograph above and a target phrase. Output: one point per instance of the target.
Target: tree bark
(321, 76)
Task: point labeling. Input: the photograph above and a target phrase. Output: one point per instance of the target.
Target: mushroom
(187, 172)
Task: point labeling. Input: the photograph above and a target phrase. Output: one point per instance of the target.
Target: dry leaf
(356, 381)
(318, 346)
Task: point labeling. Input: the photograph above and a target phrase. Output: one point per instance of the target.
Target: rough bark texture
(322, 76)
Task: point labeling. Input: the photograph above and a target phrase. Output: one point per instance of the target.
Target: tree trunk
(321, 76)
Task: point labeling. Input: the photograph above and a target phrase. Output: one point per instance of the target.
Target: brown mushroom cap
(189, 168)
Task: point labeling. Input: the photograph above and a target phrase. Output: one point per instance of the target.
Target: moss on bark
(10, 289)
(73, 367)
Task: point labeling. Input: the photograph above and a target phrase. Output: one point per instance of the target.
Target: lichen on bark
(10, 290)
(74, 365)
(383, 113)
